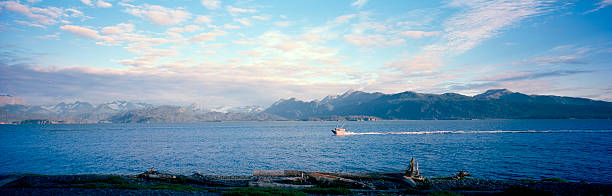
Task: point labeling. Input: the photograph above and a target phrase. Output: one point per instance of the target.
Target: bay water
(500, 149)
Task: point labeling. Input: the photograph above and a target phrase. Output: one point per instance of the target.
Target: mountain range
(492, 104)
(351, 105)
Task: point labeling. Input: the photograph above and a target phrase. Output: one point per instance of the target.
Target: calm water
(569, 149)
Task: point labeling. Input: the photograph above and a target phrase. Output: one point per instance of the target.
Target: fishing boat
(340, 131)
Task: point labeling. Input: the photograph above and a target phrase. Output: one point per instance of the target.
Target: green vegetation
(108, 179)
(262, 192)
(528, 180)
(443, 193)
(554, 180)
(174, 187)
(519, 190)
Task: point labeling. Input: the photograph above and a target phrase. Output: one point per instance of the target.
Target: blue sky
(214, 52)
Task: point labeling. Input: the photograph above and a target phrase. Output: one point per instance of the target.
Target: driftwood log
(412, 174)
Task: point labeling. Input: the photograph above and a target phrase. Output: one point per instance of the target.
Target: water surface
(569, 149)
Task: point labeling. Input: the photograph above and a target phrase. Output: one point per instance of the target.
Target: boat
(340, 131)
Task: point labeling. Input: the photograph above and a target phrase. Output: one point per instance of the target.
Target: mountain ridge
(408, 105)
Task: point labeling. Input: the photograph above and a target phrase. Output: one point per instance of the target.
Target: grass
(262, 192)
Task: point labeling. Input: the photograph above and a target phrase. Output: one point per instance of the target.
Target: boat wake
(460, 132)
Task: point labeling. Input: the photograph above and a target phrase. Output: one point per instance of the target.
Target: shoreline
(291, 182)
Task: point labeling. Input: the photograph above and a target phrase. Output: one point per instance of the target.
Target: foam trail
(459, 132)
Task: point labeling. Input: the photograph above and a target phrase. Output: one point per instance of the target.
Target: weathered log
(412, 173)
(326, 178)
(279, 173)
(278, 185)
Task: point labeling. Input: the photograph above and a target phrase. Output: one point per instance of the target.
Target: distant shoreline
(49, 122)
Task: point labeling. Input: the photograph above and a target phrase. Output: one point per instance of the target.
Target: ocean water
(502, 149)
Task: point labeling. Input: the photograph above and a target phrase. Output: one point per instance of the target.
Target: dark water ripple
(570, 149)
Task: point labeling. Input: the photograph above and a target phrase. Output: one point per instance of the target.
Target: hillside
(496, 103)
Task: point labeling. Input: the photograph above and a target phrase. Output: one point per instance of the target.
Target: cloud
(482, 20)
(283, 23)
(202, 19)
(159, 15)
(211, 4)
(120, 28)
(528, 75)
(181, 81)
(343, 19)
(419, 34)
(359, 3)
(87, 2)
(74, 13)
(230, 26)
(188, 28)
(40, 16)
(372, 40)
(30, 24)
(566, 59)
(600, 5)
(261, 17)
(235, 11)
(103, 4)
(81, 31)
(208, 36)
(243, 21)
(414, 65)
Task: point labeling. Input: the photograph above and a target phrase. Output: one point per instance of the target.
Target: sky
(234, 53)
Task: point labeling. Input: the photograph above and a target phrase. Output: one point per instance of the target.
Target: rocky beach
(287, 182)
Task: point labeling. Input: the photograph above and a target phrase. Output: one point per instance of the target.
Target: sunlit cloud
(235, 11)
(359, 3)
(159, 15)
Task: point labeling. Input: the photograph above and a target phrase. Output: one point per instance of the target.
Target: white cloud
(600, 5)
(202, 19)
(372, 40)
(74, 13)
(482, 20)
(261, 17)
(87, 2)
(208, 36)
(188, 28)
(283, 23)
(159, 15)
(419, 34)
(359, 3)
(229, 26)
(81, 31)
(243, 21)
(121, 28)
(103, 4)
(343, 19)
(41, 16)
(235, 11)
(30, 24)
(211, 4)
